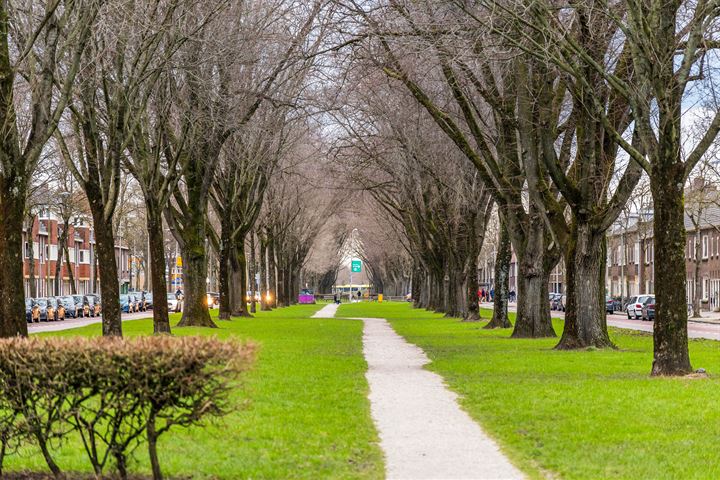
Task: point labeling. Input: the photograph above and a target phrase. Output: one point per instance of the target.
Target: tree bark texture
(252, 265)
(533, 306)
(503, 257)
(585, 318)
(264, 303)
(670, 334)
(238, 266)
(156, 250)
(109, 286)
(195, 309)
(12, 294)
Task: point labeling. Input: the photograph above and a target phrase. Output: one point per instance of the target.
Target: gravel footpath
(423, 431)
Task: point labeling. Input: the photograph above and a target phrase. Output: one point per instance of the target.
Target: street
(80, 322)
(695, 329)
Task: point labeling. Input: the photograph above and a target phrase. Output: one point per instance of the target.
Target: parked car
(59, 309)
(42, 304)
(126, 303)
(555, 299)
(148, 301)
(91, 305)
(71, 308)
(635, 305)
(173, 303)
(29, 304)
(563, 299)
(610, 305)
(79, 305)
(95, 304)
(648, 310)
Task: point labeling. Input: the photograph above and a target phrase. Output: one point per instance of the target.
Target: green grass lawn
(307, 415)
(585, 414)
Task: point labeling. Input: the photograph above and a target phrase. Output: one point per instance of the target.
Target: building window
(705, 248)
(28, 250)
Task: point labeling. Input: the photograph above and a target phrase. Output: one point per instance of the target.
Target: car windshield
(77, 298)
(28, 302)
(123, 298)
(68, 300)
(42, 302)
(171, 296)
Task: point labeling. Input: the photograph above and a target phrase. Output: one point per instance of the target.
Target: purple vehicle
(306, 297)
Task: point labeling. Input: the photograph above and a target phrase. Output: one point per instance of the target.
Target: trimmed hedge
(115, 393)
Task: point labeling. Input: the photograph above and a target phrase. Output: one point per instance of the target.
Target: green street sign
(356, 266)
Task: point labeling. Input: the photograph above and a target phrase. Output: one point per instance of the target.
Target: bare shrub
(114, 393)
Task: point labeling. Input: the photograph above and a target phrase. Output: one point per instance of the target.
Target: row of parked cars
(48, 309)
(638, 307)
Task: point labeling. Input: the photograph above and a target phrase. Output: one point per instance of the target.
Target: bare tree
(33, 95)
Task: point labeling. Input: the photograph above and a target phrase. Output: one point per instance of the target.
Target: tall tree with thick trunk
(30, 43)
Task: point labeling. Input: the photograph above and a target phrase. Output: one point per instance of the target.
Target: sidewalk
(712, 318)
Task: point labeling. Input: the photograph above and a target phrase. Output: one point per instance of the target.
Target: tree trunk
(239, 284)
(272, 276)
(264, 302)
(251, 273)
(503, 257)
(533, 306)
(195, 309)
(224, 270)
(62, 245)
(670, 334)
(585, 319)
(31, 270)
(12, 292)
(152, 448)
(71, 274)
(156, 251)
(109, 286)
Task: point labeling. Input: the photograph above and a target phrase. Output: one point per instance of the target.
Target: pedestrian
(482, 295)
(335, 298)
(178, 293)
(358, 295)
(492, 294)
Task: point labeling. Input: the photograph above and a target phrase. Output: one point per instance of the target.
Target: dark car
(29, 304)
(648, 310)
(55, 309)
(81, 305)
(611, 305)
(127, 304)
(556, 301)
(72, 309)
(148, 301)
(93, 302)
(42, 304)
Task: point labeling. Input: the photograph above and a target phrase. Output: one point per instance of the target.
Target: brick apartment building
(40, 240)
(631, 258)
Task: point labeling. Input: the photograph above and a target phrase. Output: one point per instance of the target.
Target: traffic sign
(356, 266)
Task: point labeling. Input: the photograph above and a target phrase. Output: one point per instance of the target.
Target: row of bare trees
(561, 108)
(195, 103)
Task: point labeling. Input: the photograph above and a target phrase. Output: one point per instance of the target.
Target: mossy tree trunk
(502, 280)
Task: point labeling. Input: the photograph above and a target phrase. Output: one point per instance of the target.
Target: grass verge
(305, 412)
(585, 414)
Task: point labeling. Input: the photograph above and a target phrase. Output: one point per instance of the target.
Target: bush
(114, 393)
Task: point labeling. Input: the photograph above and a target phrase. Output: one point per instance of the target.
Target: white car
(173, 303)
(635, 305)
